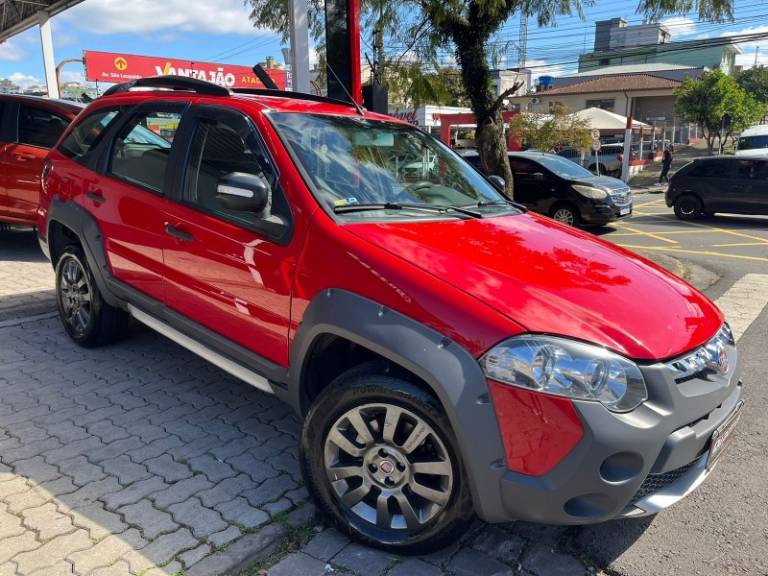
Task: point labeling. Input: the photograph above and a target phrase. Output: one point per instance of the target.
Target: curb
(25, 319)
(241, 554)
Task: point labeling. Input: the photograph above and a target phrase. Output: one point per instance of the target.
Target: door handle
(97, 196)
(21, 157)
(178, 234)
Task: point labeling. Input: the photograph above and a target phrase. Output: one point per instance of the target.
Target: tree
(467, 26)
(755, 82)
(546, 132)
(718, 105)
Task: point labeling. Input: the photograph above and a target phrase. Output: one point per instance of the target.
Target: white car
(753, 142)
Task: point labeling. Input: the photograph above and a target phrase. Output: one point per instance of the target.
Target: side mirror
(497, 181)
(243, 192)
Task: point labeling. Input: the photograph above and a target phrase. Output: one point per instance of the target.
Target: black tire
(363, 391)
(688, 207)
(559, 211)
(86, 317)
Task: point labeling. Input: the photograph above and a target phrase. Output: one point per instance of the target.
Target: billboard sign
(115, 67)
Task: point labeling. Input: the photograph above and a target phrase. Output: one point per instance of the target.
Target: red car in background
(29, 127)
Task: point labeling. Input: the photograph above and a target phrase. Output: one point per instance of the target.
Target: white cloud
(680, 26)
(11, 52)
(24, 80)
(143, 16)
(73, 76)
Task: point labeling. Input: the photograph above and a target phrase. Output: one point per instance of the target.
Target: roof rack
(290, 94)
(170, 83)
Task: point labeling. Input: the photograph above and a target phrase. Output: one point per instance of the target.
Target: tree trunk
(489, 137)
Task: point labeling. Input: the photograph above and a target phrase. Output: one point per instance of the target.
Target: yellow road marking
(650, 235)
(731, 232)
(738, 244)
(699, 252)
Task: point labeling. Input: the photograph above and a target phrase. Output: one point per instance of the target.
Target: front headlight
(590, 192)
(567, 368)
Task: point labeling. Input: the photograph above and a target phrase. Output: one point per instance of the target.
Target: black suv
(559, 188)
(721, 184)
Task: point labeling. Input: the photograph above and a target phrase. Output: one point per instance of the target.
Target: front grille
(621, 198)
(655, 482)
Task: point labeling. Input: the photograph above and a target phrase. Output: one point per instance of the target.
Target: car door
(7, 119)
(38, 130)
(225, 270)
(127, 196)
(530, 178)
(758, 190)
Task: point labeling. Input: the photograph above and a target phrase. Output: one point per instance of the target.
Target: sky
(220, 31)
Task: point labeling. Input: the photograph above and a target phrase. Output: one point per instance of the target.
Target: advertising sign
(115, 68)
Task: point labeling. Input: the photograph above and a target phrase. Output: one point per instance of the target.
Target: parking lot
(142, 459)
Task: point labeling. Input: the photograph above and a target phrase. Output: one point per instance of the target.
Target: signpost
(596, 145)
(116, 67)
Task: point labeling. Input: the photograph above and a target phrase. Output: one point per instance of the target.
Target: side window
(522, 167)
(142, 147)
(221, 147)
(86, 134)
(715, 169)
(39, 127)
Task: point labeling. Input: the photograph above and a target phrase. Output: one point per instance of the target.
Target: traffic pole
(627, 150)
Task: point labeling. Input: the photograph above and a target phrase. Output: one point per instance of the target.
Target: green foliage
(755, 82)
(546, 132)
(717, 104)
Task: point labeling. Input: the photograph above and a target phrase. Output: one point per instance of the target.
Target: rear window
(753, 142)
(717, 169)
(86, 134)
(39, 127)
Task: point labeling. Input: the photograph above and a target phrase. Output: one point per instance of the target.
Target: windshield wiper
(441, 208)
(484, 203)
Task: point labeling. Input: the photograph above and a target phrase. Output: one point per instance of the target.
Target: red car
(29, 127)
(448, 352)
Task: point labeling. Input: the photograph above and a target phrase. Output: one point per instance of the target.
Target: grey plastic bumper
(599, 480)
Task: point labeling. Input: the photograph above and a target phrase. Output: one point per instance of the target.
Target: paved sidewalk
(26, 277)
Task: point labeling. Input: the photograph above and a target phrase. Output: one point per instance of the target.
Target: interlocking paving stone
(36, 469)
(363, 560)
(17, 544)
(151, 521)
(168, 468)
(181, 491)
(225, 490)
(99, 522)
(270, 490)
(202, 521)
(541, 560)
(106, 552)
(126, 470)
(193, 556)
(469, 562)
(298, 564)
(215, 470)
(134, 492)
(414, 567)
(500, 544)
(81, 471)
(47, 521)
(53, 551)
(326, 545)
(239, 512)
(225, 536)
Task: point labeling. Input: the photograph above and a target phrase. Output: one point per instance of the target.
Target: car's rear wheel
(566, 214)
(688, 207)
(380, 458)
(86, 317)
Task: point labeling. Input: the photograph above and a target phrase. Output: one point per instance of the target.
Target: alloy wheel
(75, 295)
(388, 467)
(564, 216)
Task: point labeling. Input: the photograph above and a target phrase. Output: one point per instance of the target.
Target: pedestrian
(666, 162)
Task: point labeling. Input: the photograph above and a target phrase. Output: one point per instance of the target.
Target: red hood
(553, 279)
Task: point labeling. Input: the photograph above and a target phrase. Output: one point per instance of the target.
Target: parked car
(554, 186)
(705, 186)
(753, 142)
(448, 352)
(29, 127)
(608, 159)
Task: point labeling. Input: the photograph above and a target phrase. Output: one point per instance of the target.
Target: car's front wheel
(379, 456)
(566, 214)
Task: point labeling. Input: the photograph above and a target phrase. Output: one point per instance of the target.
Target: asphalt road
(722, 528)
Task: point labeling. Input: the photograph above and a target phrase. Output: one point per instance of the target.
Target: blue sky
(219, 31)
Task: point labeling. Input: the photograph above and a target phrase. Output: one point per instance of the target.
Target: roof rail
(170, 83)
(290, 94)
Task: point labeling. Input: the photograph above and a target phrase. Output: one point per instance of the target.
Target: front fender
(451, 372)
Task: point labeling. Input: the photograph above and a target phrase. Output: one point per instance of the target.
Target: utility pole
(522, 41)
(299, 22)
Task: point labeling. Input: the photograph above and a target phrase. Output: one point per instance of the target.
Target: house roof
(619, 83)
(644, 68)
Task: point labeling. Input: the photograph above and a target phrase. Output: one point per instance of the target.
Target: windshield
(355, 162)
(563, 167)
(752, 142)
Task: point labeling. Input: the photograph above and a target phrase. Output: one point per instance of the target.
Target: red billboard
(114, 67)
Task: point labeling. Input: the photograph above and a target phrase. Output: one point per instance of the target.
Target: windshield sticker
(345, 201)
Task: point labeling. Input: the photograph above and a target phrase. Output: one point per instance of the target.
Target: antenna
(522, 40)
(354, 102)
(265, 78)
